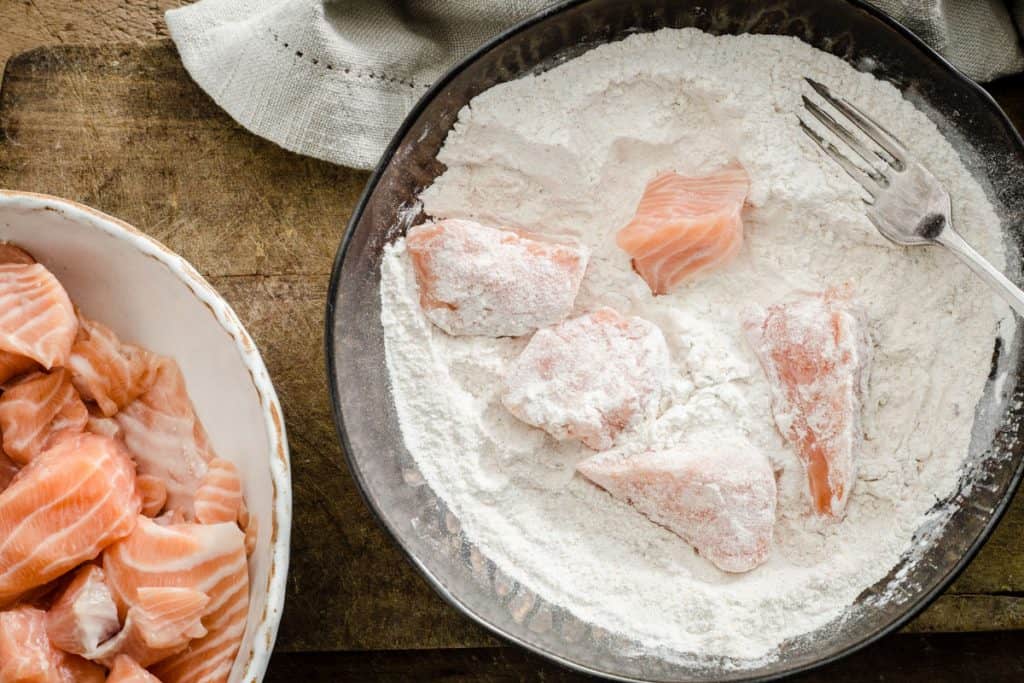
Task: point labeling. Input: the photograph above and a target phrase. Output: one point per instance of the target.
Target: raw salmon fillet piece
(209, 558)
(37, 408)
(718, 496)
(494, 282)
(815, 351)
(219, 498)
(153, 492)
(27, 656)
(8, 470)
(159, 624)
(170, 518)
(106, 371)
(589, 378)
(12, 365)
(84, 614)
(63, 509)
(12, 253)
(37, 319)
(105, 426)
(127, 670)
(685, 226)
(166, 439)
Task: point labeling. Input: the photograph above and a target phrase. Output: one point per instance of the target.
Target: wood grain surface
(123, 129)
(907, 658)
(28, 24)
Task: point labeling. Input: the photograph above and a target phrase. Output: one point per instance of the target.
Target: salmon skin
(208, 558)
(589, 378)
(494, 282)
(719, 497)
(815, 353)
(686, 226)
(63, 509)
(37, 319)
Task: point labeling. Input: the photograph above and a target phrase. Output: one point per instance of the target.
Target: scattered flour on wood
(568, 152)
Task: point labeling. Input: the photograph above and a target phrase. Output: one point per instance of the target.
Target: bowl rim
(265, 631)
(386, 158)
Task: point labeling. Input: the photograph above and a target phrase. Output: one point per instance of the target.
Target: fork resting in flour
(908, 205)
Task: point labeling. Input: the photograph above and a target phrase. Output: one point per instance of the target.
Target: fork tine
(866, 124)
(854, 171)
(869, 156)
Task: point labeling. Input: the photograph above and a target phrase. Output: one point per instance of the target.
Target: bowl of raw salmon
(144, 486)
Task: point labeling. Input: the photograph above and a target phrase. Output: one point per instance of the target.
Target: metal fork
(908, 205)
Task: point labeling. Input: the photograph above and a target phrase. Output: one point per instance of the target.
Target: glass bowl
(363, 407)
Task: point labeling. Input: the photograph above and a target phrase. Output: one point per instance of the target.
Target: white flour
(569, 152)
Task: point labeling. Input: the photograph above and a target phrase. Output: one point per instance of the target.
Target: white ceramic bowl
(153, 297)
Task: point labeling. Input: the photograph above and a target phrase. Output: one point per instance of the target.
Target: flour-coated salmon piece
(209, 558)
(589, 378)
(166, 438)
(36, 409)
(474, 279)
(28, 656)
(72, 501)
(219, 497)
(719, 496)
(815, 353)
(158, 624)
(84, 614)
(685, 226)
(37, 319)
(107, 371)
(127, 670)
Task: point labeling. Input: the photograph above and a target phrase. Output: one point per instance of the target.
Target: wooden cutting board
(125, 130)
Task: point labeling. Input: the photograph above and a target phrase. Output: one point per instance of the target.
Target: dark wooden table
(123, 129)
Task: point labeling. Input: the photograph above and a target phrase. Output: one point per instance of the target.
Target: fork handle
(1013, 295)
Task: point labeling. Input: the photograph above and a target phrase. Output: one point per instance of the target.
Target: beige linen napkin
(334, 78)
